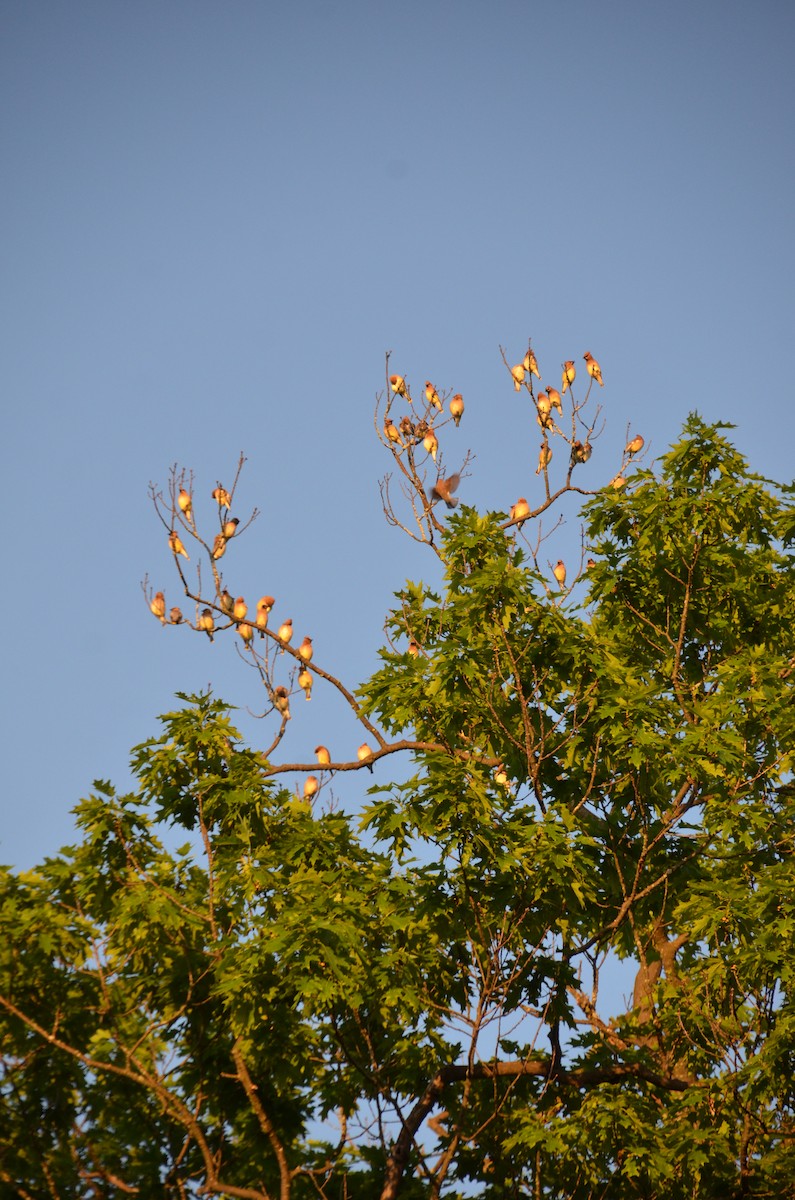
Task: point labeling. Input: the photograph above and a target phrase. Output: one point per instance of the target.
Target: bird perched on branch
(457, 408)
(390, 430)
(158, 606)
(554, 399)
(443, 490)
(323, 756)
(285, 631)
(175, 544)
(398, 385)
(230, 527)
(431, 443)
(222, 497)
(246, 631)
(363, 754)
(239, 609)
(530, 364)
(518, 376)
(226, 602)
(311, 785)
(219, 546)
(594, 370)
(559, 571)
(305, 681)
(206, 622)
(175, 616)
(544, 457)
(281, 701)
(635, 446)
(520, 511)
(305, 650)
(185, 504)
(569, 374)
(432, 396)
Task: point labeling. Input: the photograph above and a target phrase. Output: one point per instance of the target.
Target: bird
(635, 446)
(559, 571)
(305, 681)
(398, 385)
(305, 650)
(594, 370)
(185, 504)
(518, 376)
(158, 606)
(544, 405)
(457, 408)
(264, 606)
(390, 430)
(590, 564)
(617, 482)
(500, 776)
(221, 495)
(520, 511)
(363, 754)
(311, 785)
(239, 609)
(206, 622)
(285, 631)
(230, 527)
(432, 396)
(175, 544)
(568, 374)
(323, 756)
(246, 631)
(530, 364)
(407, 427)
(175, 616)
(431, 443)
(281, 701)
(443, 489)
(226, 602)
(544, 456)
(554, 399)
(414, 648)
(219, 546)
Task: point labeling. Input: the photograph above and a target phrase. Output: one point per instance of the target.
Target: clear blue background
(217, 217)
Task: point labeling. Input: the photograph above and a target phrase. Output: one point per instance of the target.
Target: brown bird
(264, 606)
(206, 622)
(554, 399)
(414, 648)
(390, 429)
(559, 571)
(230, 527)
(443, 490)
(544, 457)
(518, 376)
(246, 631)
(544, 406)
(305, 681)
(590, 564)
(580, 453)
(311, 785)
(323, 756)
(175, 544)
(158, 607)
(185, 504)
(431, 443)
(175, 616)
(226, 602)
(432, 396)
(305, 650)
(635, 446)
(398, 385)
(219, 546)
(239, 609)
(617, 482)
(594, 370)
(221, 495)
(520, 511)
(266, 602)
(407, 427)
(568, 374)
(530, 364)
(501, 776)
(363, 754)
(281, 702)
(457, 408)
(285, 631)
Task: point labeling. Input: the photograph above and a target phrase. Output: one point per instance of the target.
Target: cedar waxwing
(432, 396)
(219, 546)
(530, 364)
(305, 650)
(617, 482)
(158, 606)
(559, 571)
(285, 631)
(305, 681)
(281, 701)
(226, 603)
(635, 446)
(544, 406)
(206, 622)
(554, 399)
(246, 631)
(311, 785)
(266, 602)
(221, 495)
(500, 776)
(323, 756)
(363, 754)
(518, 376)
(568, 374)
(406, 427)
(594, 370)
(230, 527)
(175, 616)
(398, 385)
(457, 408)
(414, 648)
(544, 456)
(590, 563)
(520, 511)
(175, 544)
(431, 443)
(580, 453)
(239, 609)
(443, 489)
(185, 504)
(390, 429)
(264, 606)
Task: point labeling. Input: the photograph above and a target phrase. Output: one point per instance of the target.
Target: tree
(293, 1004)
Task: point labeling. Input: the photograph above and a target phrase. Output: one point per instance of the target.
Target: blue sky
(218, 217)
